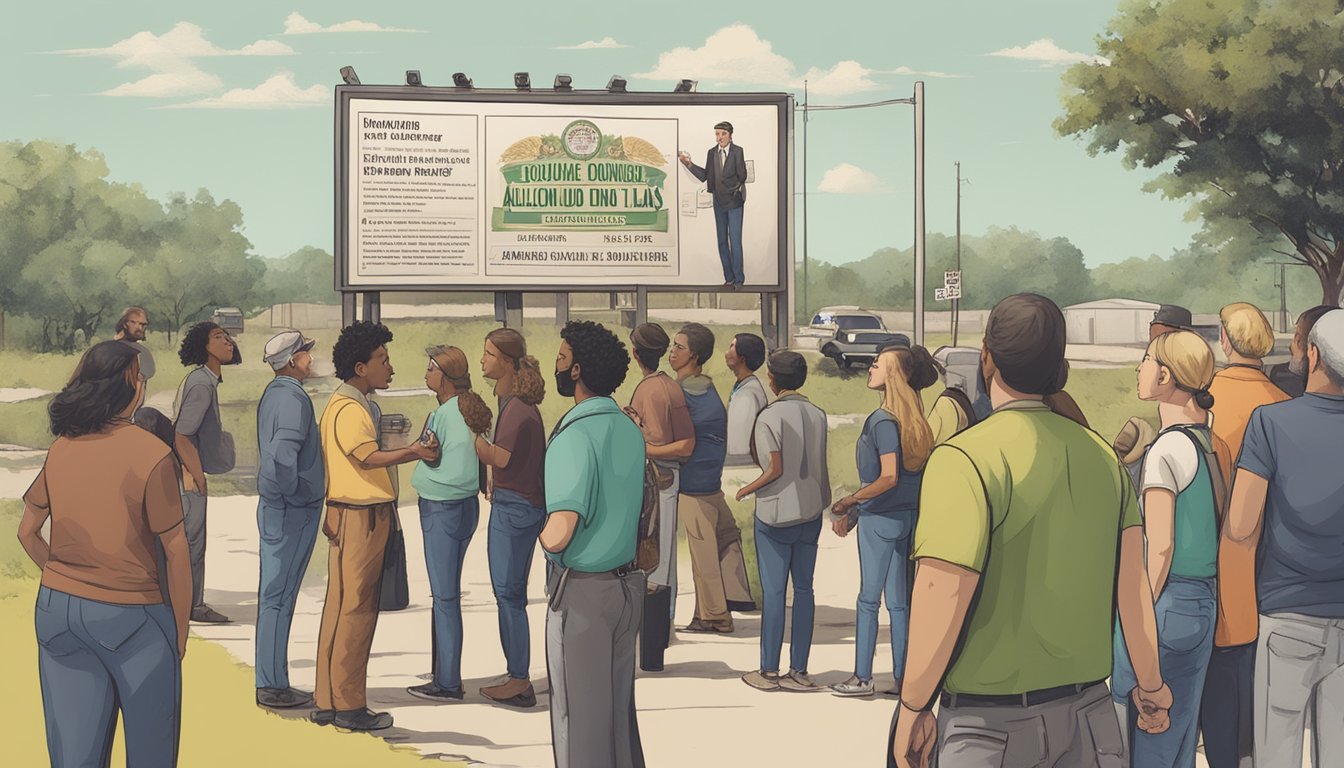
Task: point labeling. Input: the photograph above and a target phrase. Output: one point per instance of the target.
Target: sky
(237, 98)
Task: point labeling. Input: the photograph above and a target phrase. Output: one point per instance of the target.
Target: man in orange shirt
(1238, 389)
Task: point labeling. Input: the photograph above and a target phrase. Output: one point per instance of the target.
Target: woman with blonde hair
(1181, 493)
(517, 501)
(449, 509)
(891, 452)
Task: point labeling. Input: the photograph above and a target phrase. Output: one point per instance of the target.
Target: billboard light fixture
(564, 83)
(616, 84)
(522, 81)
(461, 80)
(686, 86)
(413, 77)
(349, 76)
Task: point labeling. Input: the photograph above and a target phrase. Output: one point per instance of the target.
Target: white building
(1109, 321)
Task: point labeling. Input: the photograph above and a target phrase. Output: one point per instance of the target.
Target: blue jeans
(448, 527)
(728, 222)
(510, 543)
(287, 535)
(97, 658)
(1186, 611)
(781, 553)
(884, 549)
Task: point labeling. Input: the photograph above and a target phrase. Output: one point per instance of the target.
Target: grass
(217, 730)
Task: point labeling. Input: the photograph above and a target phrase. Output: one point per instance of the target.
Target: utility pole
(919, 212)
(956, 303)
(806, 230)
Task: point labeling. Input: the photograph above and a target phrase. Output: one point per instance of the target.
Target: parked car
(850, 347)
(228, 318)
(831, 319)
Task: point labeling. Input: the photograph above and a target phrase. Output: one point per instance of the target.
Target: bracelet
(926, 708)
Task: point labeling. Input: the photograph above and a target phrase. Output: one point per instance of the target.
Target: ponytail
(474, 411)
(528, 384)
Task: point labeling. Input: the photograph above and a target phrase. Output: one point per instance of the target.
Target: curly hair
(357, 343)
(528, 383)
(474, 411)
(102, 386)
(194, 341)
(600, 354)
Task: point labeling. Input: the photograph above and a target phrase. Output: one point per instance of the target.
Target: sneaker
(433, 692)
(207, 615)
(762, 680)
(323, 716)
(798, 682)
(699, 625)
(363, 720)
(512, 693)
(742, 606)
(853, 687)
(283, 698)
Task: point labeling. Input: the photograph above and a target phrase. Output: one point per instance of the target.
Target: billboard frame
(344, 93)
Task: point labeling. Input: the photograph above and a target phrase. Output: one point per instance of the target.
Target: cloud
(915, 72)
(733, 54)
(162, 53)
(296, 24)
(593, 45)
(1047, 54)
(279, 92)
(847, 179)
(170, 57)
(845, 77)
(184, 82)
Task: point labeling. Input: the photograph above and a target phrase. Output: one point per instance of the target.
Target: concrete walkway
(697, 712)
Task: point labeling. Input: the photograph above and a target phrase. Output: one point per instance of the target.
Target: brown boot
(512, 693)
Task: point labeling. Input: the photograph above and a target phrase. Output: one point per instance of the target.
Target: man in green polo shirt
(594, 490)
(1029, 540)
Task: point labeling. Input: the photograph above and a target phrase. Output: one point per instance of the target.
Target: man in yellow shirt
(361, 503)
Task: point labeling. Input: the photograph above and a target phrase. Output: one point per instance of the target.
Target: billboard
(456, 189)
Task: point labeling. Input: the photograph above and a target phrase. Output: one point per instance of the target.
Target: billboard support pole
(641, 305)
(373, 307)
(509, 308)
(347, 308)
(561, 309)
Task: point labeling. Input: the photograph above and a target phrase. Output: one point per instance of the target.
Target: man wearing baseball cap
(1168, 318)
(291, 482)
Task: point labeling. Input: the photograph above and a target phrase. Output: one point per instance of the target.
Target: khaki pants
(354, 581)
(717, 564)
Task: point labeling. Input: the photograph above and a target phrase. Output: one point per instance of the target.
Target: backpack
(646, 546)
(1203, 440)
(964, 403)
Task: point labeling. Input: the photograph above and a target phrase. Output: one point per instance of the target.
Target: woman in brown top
(107, 642)
(517, 500)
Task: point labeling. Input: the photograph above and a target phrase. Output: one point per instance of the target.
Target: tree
(68, 237)
(201, 262)
(1241, 103)
(303, 276)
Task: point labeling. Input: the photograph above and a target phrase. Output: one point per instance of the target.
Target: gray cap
(283, 346)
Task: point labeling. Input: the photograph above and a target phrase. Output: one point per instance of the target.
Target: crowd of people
(1063, 599)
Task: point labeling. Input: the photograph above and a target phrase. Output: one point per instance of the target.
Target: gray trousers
(193, 514)
(1079, 731)
(1299, 680)
(590, 660)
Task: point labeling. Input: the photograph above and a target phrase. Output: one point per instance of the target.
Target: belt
(373, 507)
(1028, 699)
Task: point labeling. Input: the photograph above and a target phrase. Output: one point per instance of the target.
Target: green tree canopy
(1241, 104)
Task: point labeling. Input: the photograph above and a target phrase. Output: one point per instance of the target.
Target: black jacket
(730, 188)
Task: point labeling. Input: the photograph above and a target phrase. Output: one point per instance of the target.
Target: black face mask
(564, 383)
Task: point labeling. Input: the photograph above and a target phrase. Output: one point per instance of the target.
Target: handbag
(396, 593)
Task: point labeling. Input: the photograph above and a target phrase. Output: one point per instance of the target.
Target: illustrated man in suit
(725, 174)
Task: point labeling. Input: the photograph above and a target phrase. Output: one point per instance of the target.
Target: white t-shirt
(1171, 463)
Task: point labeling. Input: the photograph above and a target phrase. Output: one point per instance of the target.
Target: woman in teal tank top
(1181, 530)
